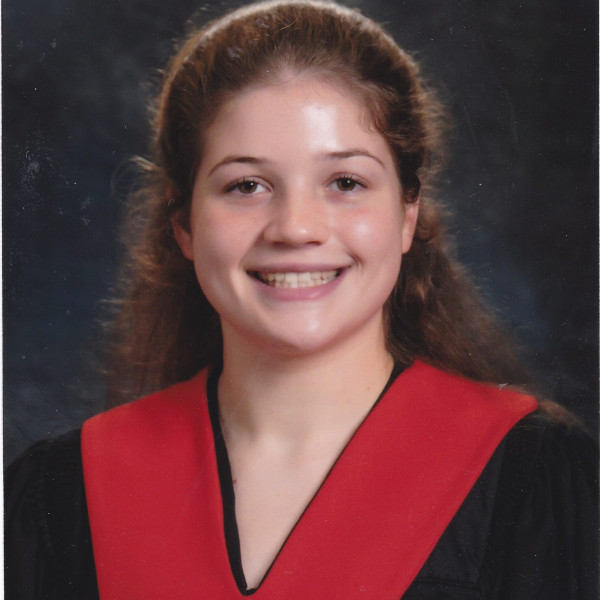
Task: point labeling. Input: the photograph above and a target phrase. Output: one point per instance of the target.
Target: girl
(334, 420)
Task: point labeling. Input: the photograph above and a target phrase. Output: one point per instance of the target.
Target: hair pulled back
(164, 330)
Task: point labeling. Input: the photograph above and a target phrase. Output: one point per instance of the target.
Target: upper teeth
(297, 280)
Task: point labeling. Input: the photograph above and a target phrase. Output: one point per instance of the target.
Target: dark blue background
(519, 76)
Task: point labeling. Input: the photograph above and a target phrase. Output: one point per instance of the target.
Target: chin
(294, 347)
(305, 342)
(293, 335)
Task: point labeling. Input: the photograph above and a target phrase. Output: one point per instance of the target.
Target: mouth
(296, 280)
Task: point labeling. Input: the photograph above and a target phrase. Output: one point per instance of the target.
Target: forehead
(297, 113)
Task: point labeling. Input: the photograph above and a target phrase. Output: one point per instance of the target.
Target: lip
(297, 293)
(296, 267)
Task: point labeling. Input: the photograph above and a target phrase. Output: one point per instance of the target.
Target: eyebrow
(351, 154)
(255, 160)
(251, 160)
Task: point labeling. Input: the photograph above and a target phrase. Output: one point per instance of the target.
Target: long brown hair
(163, 329)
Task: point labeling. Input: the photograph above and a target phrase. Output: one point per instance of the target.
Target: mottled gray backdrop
(519, 75)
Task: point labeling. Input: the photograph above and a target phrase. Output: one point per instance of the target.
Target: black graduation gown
(528, 528)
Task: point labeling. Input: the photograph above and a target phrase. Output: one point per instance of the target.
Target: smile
(296, 280)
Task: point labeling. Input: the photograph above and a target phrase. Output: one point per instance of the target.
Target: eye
(348, 183)
(245, 186)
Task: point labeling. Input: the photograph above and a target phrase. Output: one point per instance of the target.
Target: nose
(297, 218)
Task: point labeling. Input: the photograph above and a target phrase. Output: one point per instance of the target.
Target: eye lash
(234, 184)
(356, 178)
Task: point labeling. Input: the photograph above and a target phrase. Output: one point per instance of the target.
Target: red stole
(156, 514)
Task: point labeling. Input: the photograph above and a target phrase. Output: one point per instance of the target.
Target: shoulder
(43, 482)
(46, 465)
(555, 444)
(47, 537)
(545, 527)
(541, 434)
(154, 412)
(551, 465)
(528, 528)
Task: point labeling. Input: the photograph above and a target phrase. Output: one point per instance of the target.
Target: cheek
(208, 249)
(221, 241)
(212, 231)
(212, 246)
(378, 234)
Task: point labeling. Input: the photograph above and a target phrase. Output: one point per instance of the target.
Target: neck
(300, 399)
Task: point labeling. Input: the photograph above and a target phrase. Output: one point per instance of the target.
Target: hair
(163, 329)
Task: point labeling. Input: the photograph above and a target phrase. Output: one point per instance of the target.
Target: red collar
(156, 514)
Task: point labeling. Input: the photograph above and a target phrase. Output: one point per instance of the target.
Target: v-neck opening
(231, 530)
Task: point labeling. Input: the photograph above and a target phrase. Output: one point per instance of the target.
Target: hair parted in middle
(163, 329)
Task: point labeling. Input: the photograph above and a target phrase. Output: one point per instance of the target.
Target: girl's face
(297, 225)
